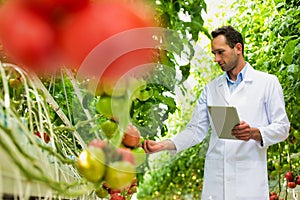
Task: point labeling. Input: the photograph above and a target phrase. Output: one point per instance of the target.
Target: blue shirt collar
(239, 78)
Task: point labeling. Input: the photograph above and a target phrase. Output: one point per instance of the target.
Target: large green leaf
(289, 51)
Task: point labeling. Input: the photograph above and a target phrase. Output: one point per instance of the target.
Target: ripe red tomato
(131, 136)
(291, 184)
(116, 196)
(297, 181)
(27, 39)
(98, 143)
(96, 23)
(273, 197)
(45, 135)
(73, 5)
(112, 191)
(54, 9)
(289, 176)
(126, 155)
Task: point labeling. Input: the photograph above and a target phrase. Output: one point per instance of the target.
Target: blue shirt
(233, 84)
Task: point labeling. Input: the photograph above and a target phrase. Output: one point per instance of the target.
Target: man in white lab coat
(235, 169)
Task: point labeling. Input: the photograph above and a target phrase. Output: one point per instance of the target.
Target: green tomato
(104, 106)
(114, 108)
(277, 166)
(101, 192)
(286, 167)
(119, 175)
(109, 127)
(139, 156)
(91, 164)
(274, 173)
(296, 134)
(15, 82)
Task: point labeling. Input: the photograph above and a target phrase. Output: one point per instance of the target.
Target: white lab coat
(236, 169)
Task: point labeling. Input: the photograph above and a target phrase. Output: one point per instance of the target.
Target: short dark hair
(232, 36)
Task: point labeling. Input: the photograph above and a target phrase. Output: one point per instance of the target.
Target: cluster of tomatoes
(113, 168)
(45, 35)
(115, 99)
(274, 196)
(126, 193)
(292, 182)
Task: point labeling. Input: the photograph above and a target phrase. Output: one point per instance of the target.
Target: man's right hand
(151, 146)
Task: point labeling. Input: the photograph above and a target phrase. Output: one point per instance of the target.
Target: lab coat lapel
(223, 89)
(239, 87)
(247, 79)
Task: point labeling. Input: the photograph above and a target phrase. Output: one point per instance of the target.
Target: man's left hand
(243, 131)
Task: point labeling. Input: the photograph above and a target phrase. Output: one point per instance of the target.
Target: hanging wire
(30, 157)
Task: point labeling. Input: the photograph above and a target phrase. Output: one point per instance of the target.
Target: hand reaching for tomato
(151, 146)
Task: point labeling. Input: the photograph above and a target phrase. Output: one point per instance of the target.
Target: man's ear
(238, 48)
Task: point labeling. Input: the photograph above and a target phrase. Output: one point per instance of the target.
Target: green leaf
(293, 68)
(185, 70)
(289, 51)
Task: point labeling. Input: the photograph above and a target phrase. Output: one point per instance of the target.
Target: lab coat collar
(223, 87)
(249, 74)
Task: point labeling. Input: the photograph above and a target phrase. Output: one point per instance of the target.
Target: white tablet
(224, 118)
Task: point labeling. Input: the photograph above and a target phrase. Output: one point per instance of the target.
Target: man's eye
(218, 52)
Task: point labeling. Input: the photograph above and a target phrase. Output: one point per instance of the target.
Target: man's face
(225, 56)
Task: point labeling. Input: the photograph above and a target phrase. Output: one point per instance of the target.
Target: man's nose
(217, 58)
